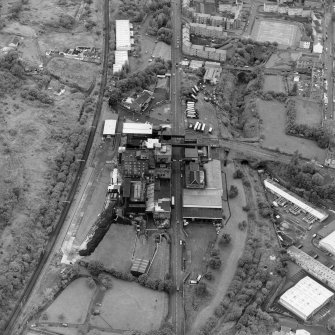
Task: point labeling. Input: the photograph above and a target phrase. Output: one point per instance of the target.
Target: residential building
(305, 42)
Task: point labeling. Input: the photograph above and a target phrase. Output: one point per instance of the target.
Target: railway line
(12, 323)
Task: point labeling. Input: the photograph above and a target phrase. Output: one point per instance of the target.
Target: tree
(317, 179)
(215, 263)
(233, 192)
(242, 225)
(225, 239)
(95, 268)
(238, 174)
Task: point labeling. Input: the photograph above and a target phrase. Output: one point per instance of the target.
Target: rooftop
(305, 297)
(202, 198)
(291, 197)
(328, 229)
(122, 32)
(202, 213)
(109, 127)
(137, 128)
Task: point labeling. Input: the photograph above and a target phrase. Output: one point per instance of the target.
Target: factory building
(312, 266)
(305, 207)
(328, 242)
(305, 298)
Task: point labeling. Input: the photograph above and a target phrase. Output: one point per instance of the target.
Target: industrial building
(205, 203)
(137, 128)
(122, 35)
(109, 128)
(305, 298)
(326, 230)
(305, 207)
(312, 266)
(329, 243)
(121, 59)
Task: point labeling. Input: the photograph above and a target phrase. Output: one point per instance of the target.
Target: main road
(178, 131)
(13, 323)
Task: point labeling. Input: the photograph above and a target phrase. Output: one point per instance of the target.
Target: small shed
(109, 128)
(139, 267)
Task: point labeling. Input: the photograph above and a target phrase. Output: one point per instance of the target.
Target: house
(305, 42)
(317, 47)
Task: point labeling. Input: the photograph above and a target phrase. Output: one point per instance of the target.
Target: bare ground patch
(308, 112)
(274, 83)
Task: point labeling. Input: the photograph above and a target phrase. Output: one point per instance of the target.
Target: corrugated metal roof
(122, 32)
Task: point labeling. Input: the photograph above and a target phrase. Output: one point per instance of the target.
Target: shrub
(233, 192)
(201, 289)
(209, 276)
(215, 263)
(242, 225)
(225, 239)
(238, 174)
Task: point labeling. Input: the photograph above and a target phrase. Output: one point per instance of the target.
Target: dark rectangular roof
(126, 187)
(202, 213)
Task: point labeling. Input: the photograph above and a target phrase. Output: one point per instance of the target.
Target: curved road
(12, 322)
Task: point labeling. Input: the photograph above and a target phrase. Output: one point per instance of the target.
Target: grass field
(73, 71)
(273, 83)
(130, 306)
(160, 264)
(72, 304)
(273, 115)
(308, 112)
(273, 31)
(115, 250)
(200, 236)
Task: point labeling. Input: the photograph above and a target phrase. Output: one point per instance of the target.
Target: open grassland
(74, 72)
(72, 304)
(283, 33)
(116, 248)
(273, 115)
(130, 306)
(274, 83)
(308, 112)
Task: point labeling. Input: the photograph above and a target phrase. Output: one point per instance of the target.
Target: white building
(109, 128)
(122, 34)
(305, 298)
(329, 242)
(121, 59)
(137, 128)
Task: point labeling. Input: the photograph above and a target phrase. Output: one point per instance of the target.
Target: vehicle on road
(172, 201)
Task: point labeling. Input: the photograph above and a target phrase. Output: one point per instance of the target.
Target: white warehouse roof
(121, 59)
(280, 192)
(122, 32)
(137, 128)
(305, 298)
(109, 127)
(328, 242)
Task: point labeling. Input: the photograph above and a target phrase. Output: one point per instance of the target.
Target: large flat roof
(109, 127)
(274, 187)
(329, 242)
(122, 33)
(213, 174)
(306, 297)
(137, 128)
(202, 198)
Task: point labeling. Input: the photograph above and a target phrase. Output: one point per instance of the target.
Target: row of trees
(132, 9)
(304, 179)
(318, 134)
(96, 268)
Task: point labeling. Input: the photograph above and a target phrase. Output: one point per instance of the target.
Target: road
(178, 130)
(328, 60)
(49, 249)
